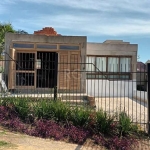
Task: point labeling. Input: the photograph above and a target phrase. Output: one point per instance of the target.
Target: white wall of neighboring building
(114, 48)
(106, 88)
(112, 88)
(141, 96)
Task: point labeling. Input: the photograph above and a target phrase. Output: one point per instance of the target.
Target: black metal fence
(111, 91)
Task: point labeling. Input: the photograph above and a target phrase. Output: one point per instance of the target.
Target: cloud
(86, 17)
(90, 25)
(100, 5)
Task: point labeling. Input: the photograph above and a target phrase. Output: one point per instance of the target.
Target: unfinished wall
(79, 40)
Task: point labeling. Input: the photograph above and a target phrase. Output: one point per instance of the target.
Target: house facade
(45, 60)
(115, 71)
(40, 61)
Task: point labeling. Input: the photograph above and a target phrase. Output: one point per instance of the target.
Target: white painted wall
(106, 88)
(115, 48)
(140, 95)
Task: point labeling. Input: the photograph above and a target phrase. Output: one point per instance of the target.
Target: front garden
(57, 120)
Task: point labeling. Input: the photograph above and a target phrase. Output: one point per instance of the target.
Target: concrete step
(75, 101)
(74, 97)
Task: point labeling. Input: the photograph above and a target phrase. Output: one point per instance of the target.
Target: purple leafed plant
(115, 143)
(64, 131)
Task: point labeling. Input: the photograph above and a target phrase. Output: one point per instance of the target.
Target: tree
(21, 32)
(138, 58)
(5, 28)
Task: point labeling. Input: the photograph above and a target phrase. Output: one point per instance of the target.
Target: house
(148, 61)
(141, 76)
(45, 60)
(115, 72)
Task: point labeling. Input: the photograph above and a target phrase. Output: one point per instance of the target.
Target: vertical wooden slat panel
(63, 70)
(75, 74)
(11, 75)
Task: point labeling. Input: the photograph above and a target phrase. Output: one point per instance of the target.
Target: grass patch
(4, 144)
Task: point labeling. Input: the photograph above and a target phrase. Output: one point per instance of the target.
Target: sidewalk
(25, 142)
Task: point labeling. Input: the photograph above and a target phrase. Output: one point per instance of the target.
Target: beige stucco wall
(115, 48)
(79, 40)
(9, 37)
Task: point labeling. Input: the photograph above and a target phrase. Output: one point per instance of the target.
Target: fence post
(55, 76)
(148, 96)
(55, 93)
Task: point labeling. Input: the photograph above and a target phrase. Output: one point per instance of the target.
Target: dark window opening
(25, 79)
(68, 47)
(47, 46)
(25, 61)
(20, 45)
(47, 71)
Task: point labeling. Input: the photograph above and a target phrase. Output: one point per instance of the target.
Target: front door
(46, 69)
(69, 71)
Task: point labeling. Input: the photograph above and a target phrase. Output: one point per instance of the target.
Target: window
(41, 46)
(25, 79)
(125, 64)
(101, 64)
(113, 64)
(21, 45)
(25, 61)
(108, 67)
(90, 64)
(68, 47)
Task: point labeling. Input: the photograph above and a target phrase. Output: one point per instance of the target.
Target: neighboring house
(81, 65)
(148, 61)
(116, 66)
(141, 76)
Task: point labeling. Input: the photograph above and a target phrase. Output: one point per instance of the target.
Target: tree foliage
(5, 28)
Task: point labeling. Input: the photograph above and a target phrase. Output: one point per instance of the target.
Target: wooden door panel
(11, 75)
(75, 74)
(63, 70)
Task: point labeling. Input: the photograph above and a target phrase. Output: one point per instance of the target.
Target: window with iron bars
(109, 67)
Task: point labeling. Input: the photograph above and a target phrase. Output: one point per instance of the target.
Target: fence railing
(111, 91)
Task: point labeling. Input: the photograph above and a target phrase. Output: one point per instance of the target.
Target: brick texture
(49, 31)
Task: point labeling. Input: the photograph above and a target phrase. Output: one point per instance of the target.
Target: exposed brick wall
(49, 31)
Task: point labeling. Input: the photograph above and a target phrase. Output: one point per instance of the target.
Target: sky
(99, 20)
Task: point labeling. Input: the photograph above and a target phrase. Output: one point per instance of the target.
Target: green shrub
(61, 111)
(22, 107)
(103, 122)
(80, 116)
(7, 101)
(42, 109)
(125, 125)
(19, 104)
(49, 109)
